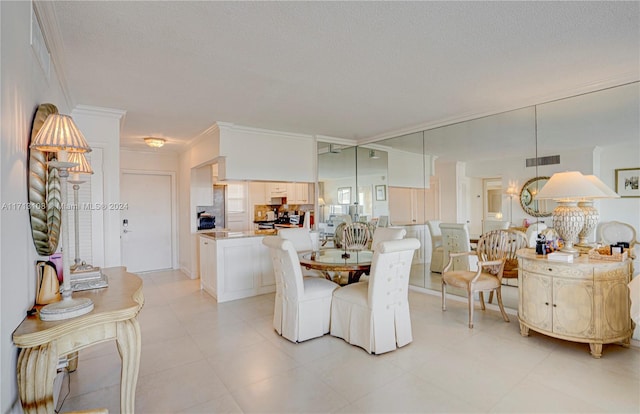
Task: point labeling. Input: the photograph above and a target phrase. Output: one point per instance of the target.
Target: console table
(43, 343)
(584, 301)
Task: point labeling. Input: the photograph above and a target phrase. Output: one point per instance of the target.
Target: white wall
(23, 86)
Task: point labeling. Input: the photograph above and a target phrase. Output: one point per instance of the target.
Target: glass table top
(335, 256)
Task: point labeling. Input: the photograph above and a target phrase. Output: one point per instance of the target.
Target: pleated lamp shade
(609, 193)
(60, 133)
(83, 166)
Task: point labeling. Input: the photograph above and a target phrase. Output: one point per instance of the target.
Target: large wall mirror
(439, 174)
(44, 191)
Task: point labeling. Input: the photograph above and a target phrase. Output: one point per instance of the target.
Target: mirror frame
(45, 195)
(526, 205)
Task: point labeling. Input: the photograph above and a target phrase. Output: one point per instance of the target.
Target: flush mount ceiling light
(154, 142)
(373, 155)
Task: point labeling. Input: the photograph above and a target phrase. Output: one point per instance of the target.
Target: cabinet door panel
(615, 295)
(536, 310)
(573, 307)
(238, 271)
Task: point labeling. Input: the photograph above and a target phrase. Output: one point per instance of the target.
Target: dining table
(355, 262)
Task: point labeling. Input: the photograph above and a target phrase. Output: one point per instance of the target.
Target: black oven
(206, 221)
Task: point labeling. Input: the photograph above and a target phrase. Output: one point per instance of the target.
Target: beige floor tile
(225, 404)
(251, 364)
(159, 356)
(178, 388)
(294, 391)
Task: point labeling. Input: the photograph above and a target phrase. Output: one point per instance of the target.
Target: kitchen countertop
(222, 235)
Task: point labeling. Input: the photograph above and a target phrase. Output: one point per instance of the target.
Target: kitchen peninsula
(235, 264)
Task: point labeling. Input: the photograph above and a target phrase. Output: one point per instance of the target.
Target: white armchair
(302, 307)
(437, 255)
(387, 233)
(375, 315)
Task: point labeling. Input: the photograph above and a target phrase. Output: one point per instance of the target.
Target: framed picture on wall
(627, 182)
(344, 195)
(381, 192)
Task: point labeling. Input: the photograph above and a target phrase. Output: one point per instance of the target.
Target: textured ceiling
(343, 69)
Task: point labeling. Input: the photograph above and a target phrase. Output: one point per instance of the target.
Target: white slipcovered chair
(612, 232)
(375, 315)
(455, 239)
(303, 240)
(492, 250)
(302, 307)
(532, 233)
(387, 233)
(437, 255)
(490, 225)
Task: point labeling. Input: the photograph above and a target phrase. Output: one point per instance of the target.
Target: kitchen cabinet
(277, 190)
(299, 193)
(584, 301)
(235, 267)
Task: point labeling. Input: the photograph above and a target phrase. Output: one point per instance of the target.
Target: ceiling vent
(335, 149)
(549, 160)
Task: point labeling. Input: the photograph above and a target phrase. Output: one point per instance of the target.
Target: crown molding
(100, 111)
(241, 128)
(53, 38)
(623, 79)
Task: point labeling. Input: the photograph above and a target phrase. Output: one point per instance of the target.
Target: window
(236, 198)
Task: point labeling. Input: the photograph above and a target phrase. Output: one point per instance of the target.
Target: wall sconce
(60, 134)
(512, 191)
(155, 142)
(567, 188)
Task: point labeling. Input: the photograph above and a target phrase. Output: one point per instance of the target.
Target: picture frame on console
(627, 182)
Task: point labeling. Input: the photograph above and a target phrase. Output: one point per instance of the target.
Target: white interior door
(147, 238)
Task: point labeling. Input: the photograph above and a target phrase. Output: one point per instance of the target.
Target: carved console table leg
(36, 372)
(596, 350)
(128, 340)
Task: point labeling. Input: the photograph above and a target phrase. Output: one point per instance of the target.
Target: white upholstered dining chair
(302, 308)
(437, 255)
(455, 239)
(387, 233)
(303, 240)
(612, 232)
(375, 315)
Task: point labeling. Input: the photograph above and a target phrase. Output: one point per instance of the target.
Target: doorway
(148, 236)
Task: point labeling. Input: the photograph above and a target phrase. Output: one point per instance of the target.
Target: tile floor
(202, 357)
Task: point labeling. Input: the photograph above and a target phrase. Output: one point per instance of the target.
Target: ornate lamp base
(568, 220)
(591, 217)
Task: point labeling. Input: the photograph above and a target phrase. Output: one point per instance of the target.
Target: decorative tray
(604, 253)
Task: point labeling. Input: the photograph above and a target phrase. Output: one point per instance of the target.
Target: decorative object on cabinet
(567, 188)
(531, 206)
(44, 191)
(154, 142)
(344, 195)
(627, 182)
(584, 301)
(375, 315)
(302, 308)
(614, 232)
(60, 134)
(491, 252)
(381, 192)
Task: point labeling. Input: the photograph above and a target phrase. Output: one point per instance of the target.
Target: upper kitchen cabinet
(299, 193)
(277, 190)
(274, 156)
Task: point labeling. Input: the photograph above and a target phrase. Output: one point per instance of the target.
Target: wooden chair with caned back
(516, 240)
(491, 252)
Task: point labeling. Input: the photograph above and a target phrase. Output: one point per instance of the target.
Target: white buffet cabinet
(235, 265)
(584, 301)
